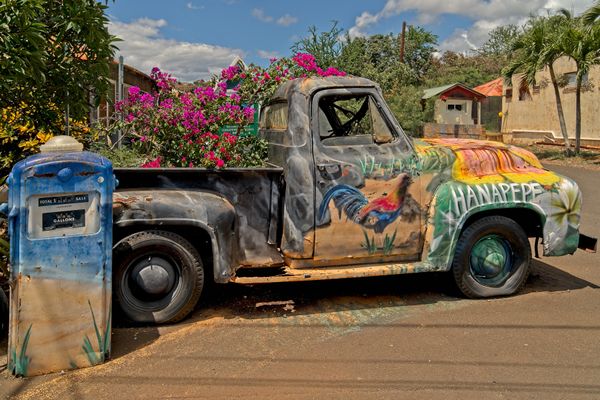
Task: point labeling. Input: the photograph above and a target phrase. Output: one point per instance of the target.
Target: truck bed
(254, 193)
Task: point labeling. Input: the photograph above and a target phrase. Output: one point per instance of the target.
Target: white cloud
(192, 6)
(144, 47)
(485, 14)
(260, 15)
(284, 20)
(268, 54)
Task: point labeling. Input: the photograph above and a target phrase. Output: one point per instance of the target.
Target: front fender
(454, 203)
(208, 211)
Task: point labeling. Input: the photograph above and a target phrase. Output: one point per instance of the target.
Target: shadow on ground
(318, 297)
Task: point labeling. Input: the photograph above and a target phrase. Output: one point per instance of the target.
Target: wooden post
(478, 112)
(402, 41)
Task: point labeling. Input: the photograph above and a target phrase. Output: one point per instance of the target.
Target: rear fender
(208, 211)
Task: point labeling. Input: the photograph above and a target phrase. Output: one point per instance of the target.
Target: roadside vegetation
(552, 154)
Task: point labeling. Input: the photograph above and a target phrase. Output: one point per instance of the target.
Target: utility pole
(402, 40)
(120, 95)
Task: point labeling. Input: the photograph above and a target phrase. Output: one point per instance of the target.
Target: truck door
(367, 207)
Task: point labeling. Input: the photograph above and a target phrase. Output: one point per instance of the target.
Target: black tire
(492, 258)
(158, 277)
(3, 314)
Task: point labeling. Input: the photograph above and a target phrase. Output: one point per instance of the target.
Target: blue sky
(194, 38)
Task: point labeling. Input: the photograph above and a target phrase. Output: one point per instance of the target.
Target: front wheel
(158, 277)
(492, 258)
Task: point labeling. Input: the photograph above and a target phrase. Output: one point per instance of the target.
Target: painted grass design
(103, 341)
(18, 366)
(388, 243)
(369, 243)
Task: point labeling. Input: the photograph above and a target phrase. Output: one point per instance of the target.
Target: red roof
(491, 88)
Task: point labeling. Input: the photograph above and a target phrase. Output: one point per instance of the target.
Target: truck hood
(480, 161)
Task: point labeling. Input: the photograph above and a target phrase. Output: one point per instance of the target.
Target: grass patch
(557, 155)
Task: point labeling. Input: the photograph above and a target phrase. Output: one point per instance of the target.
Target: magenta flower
(230, 73)
(133, 91)
(152, 164)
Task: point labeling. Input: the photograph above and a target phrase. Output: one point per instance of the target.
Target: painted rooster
(378, 213)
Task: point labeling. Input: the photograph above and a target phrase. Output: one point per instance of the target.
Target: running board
(321, 274)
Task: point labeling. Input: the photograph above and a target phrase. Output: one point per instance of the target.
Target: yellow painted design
(479, 162)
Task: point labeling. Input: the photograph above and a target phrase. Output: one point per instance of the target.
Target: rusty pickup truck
(346, 194)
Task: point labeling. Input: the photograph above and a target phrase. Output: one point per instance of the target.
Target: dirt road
(402, 337)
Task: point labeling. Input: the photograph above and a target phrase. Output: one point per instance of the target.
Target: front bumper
(587, 243)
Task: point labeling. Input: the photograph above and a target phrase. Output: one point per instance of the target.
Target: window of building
(524, 94)
(455, 107)
(571, 79)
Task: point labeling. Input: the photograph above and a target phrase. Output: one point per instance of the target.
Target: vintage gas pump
(60, 227)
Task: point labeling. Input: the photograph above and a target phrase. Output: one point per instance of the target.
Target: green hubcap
(491, 260)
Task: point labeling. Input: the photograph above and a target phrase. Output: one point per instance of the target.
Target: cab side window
(352, 120)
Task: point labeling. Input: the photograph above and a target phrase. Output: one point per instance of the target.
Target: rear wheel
(492, 258)
(158, 277)
(3, 314)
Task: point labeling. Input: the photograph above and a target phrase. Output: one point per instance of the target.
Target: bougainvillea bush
(175, 128)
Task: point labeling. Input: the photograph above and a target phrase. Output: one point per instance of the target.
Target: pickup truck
(346, 193)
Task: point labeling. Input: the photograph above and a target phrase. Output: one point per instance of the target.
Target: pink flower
(152, 164)
(133, 91)
(229, 73)
(220, 163)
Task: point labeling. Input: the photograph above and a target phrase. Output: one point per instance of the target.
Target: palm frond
(591, 16)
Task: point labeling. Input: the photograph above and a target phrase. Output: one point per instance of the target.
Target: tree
(22, 46)
(325, 46)
(53, 55)
(376, 57)
(580, 40)
(536, 48)
(500, 40)
(405, 103)
(420, 46)
(591, 16)
(471, 70)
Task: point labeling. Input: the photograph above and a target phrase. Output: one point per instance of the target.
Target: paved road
(404, 337)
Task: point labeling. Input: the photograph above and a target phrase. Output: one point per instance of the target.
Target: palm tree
(581, 42)
(536, 48)
(591, 15)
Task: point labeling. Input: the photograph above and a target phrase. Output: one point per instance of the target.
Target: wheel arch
(202, 218)
(530, 216)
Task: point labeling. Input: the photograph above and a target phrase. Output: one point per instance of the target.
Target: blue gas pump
(60, 227)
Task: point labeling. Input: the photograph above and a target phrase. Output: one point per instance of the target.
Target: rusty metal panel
(235, 206)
